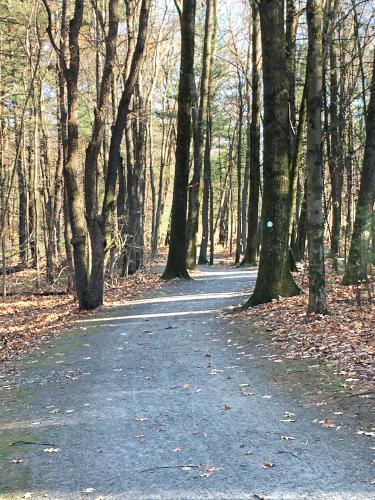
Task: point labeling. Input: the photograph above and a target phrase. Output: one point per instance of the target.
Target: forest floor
(167, 398)
(346, 335)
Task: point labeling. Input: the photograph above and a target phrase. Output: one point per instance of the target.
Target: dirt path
(165, 399)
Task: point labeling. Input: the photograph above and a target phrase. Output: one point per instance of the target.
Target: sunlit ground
(225, 275)
(148, 315)
(186, 298)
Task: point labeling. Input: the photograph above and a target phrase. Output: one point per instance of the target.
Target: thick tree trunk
(274, 277)
(176, 263)
(94, 290)
(317, 296)
(359, 254)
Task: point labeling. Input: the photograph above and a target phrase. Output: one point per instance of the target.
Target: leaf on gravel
(248, 452)
(140, 436)
(16, 461)
(327, 423)
(183, 386)
(51, 450)
(176, 450)
(267, 465)
(140, 419)
(244, 385)
(208, 470)
(88, 490)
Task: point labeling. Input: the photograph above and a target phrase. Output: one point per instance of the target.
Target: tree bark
(251, 252)
(317, 296)
(239, 173)
(359, 253)
(274, 277)
(194, 188)
(94, 291)
(176, 263)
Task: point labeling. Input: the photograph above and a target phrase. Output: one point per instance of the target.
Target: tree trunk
(136, 161)
(317, 296)
(335, 162)
(239, 173)
(94, 290)
(206, 197)
(176, 263)
(274, 277)
(359, 258)
(251, 252)
(194, 188)
(109, 203)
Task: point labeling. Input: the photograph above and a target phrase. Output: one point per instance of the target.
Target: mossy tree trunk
(274, 277)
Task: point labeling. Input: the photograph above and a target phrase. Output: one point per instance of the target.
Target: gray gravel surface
(165, 398)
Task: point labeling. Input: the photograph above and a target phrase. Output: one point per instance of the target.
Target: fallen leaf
(327, 423)
(183, 386)
(16, 461)
(88, 490)
(266, 465)
(208, 470)
(176, 450)
(51, 450)
(140, 419)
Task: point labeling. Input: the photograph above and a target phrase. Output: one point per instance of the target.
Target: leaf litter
(345, 336)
